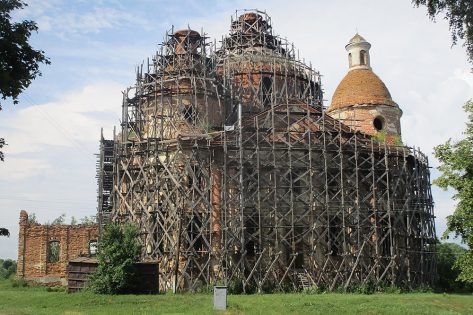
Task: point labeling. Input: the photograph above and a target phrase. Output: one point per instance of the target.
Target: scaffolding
(229, 165)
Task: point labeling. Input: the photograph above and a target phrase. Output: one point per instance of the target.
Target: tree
(7, 268)
(19, 62)
(4, 232)
(73, 220)
(59, 220)
(456, 166)
(119, 250)
(447, 254)
(459, 14)
(32, 218)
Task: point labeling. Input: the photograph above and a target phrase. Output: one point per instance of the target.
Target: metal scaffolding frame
(229, 165)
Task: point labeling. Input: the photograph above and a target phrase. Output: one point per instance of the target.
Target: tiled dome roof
(361, 86)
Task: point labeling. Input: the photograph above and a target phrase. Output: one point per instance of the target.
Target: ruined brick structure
(234, 170)
(44, 250)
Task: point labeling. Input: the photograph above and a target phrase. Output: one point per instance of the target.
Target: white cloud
(15, 169)
(72, 121)
(65, 18)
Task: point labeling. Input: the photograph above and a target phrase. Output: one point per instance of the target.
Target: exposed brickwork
(360, 86)
(33, 247)
(361, 117)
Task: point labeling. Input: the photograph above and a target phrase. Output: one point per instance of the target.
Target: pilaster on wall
(21, 244)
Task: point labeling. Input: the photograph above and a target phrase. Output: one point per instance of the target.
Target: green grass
(37, 300)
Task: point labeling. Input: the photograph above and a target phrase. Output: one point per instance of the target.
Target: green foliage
(119, 249)
(59, 220)
(398, 141)
(447, 254)
(2, 144)
(459, 14)
(7, 268)
(235, 286)
(380, 136)
(73, 220)
(456, 160)
(32, 218)
(4, 232)
(19, 62)
(361, 288)
(314, 289)
(18, 283)
(88, 220)
(465, 264)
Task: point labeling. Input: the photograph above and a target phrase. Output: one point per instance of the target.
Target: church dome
(361, 86)
(357, 39)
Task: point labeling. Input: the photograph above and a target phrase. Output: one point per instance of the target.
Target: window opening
(378, 123)
(93, 248)
(267, 87)
(362, 57)
(53, 251)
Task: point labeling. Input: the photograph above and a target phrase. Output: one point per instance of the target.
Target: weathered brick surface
(361, 86)
(361, 117)
(360, 98)
(33, 243)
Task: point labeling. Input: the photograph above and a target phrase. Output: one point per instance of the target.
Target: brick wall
(361, 117)
(33, 248)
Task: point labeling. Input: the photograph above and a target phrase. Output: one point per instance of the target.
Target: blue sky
(94, 47)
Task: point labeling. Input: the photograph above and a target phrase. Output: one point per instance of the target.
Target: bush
(7, 268)
(118, 250)
(235, 286)
(447, 254)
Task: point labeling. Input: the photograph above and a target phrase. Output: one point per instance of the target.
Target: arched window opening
(93, 248)
(189, 114)
(349, 59)
(335, 235)
(53, 251)
(194, 230)
(378, 123)
(267, 89)
(362, 57)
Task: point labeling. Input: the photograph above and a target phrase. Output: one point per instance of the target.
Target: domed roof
(357, 39)
(361, 86)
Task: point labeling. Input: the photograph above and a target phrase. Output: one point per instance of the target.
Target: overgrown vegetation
(456, 167)
(448, 272)
(19, 62)
(32, 218)
(7, 268)
(118, 250)
(59, 220)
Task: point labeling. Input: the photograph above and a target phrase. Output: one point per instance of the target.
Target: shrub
(118, 250)
(447, 254)
(7, 268)
(235, 286)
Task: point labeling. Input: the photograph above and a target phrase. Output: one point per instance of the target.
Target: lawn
(38, 300)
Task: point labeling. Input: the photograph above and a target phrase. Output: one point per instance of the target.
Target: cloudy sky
(94, 47)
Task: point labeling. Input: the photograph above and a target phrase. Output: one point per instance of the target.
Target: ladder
(303, 280)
